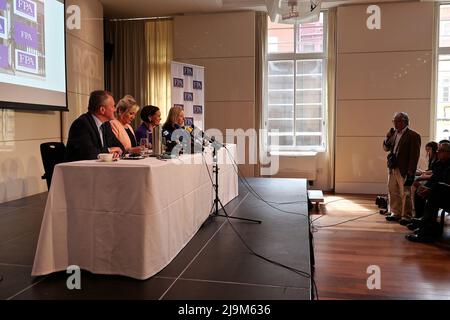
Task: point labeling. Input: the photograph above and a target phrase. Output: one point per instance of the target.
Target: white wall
(379, 72)
(225, 45)
(21, 132)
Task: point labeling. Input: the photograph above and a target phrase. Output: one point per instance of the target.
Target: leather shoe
(412, 226)
(404, 222)
(420, 237)
(391, 217)
(415, 223)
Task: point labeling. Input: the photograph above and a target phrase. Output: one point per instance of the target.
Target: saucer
(127, 157)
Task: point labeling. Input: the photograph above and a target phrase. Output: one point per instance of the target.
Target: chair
(52, 153)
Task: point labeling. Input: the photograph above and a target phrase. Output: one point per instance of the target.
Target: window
(443, 86)
(296, 99)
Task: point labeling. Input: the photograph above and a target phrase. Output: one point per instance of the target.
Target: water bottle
(157, 141)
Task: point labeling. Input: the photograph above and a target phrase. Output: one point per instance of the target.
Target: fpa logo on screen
(27, 62)
(26, 9)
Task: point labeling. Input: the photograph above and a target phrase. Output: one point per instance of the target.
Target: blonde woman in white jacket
(126, 110)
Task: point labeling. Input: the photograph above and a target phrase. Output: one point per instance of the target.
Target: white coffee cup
(107, 157)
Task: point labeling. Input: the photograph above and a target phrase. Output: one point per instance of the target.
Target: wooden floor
(344, 252)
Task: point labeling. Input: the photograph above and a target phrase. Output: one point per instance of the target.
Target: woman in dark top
(151, 117)
(175, 120)
(423, 176)
(431, 149)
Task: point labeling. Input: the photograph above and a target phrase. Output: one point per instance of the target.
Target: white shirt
(98, 122)
(398, 136)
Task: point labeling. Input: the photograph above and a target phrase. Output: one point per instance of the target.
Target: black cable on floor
(246, 183)
(331, 201)
(346, 221)
(299, 272)
(256, 194)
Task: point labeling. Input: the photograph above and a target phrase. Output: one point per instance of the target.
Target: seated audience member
(423, 176)
(431, 154)
(126, 110)
(437, 196)
(91, 134)
(175, 120)
(151, 117)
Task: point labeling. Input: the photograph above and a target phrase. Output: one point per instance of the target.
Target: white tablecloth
(129, 217)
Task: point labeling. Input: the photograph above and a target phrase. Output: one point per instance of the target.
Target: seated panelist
(175, 120)
(126, 110)
(91, 134)
(151, 117)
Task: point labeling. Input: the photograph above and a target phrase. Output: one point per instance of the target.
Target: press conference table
(129, 217)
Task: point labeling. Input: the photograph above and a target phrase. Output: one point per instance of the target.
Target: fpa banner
(188, 92)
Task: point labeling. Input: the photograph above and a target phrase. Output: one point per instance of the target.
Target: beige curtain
(331, 93)
(128, 68)
(141, 61)
(260, 79)
(159, 53)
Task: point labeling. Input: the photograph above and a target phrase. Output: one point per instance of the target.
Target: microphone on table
(197, 132)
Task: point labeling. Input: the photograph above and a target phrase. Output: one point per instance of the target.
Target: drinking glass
(144, 145)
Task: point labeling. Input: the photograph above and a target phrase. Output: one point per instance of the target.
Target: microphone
(390, 133)
(196, 131)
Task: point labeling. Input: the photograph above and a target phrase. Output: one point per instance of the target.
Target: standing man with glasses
(403, 145)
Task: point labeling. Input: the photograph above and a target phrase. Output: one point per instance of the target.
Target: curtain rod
(138, 19)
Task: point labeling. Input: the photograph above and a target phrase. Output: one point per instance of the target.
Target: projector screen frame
(43, 107)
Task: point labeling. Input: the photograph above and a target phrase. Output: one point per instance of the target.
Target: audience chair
(52, 153)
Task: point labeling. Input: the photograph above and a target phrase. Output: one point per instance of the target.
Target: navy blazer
(168, 129)
(84, 139)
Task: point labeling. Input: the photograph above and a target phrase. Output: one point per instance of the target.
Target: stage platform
(213, 265)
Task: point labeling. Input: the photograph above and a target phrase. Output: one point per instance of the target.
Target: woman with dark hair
(151, 117)
(421, 179)
(431, 151)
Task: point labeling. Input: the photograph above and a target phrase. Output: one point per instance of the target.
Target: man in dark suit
(403, 145)
(91, 133)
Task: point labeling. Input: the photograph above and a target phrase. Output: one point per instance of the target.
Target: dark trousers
(419, 205)
(439, 198)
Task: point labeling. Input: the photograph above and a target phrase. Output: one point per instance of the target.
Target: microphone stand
(216, 188)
